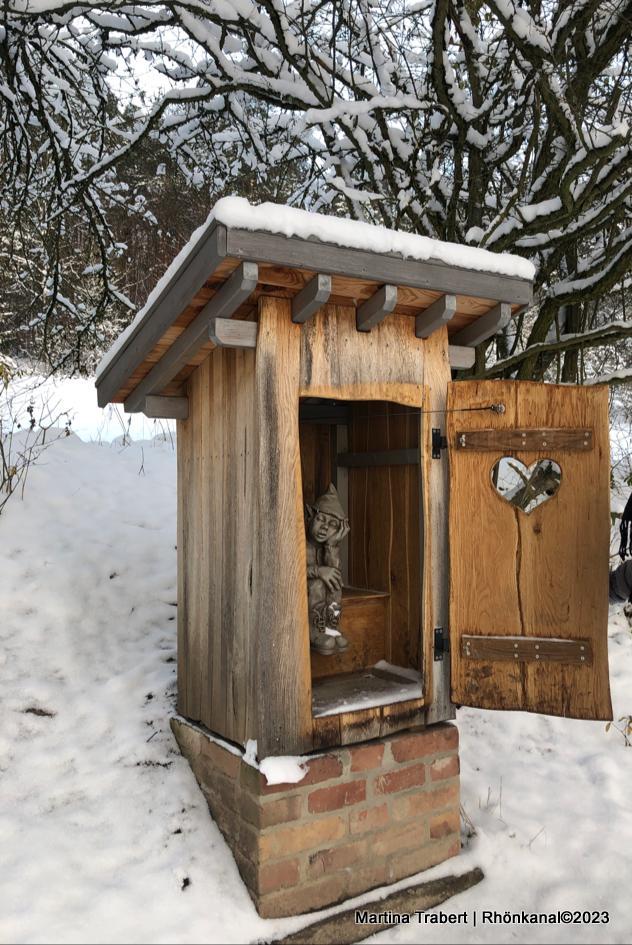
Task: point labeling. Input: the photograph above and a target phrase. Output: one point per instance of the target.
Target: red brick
(400, 780)
(361, 821)
(407, 864)
(217, 757)
(283, 841)
(336, 796)
(224, 788)
(430, 741)
(245, 838)
(425, 802)
(322, 768)
(280, 875)
(189, 740)
(396, 838)
(336, 858)
(361, 880)
(365, 757)
(454, 847)
(444, 824)
(304, 898)
(266, 812)
(442, 768)
(227, 820)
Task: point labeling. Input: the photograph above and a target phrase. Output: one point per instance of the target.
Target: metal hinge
(439, 443)
(441, 643)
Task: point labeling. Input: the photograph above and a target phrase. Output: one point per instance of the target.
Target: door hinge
(441, 643)
(439, 443)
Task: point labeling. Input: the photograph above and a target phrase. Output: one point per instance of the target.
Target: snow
(367, 690)
(101, 821)
(622, 374)
(275, 218)
(284, 769)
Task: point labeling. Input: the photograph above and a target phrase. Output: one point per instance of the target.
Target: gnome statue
(327, 525)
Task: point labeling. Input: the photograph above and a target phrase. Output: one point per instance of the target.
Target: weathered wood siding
(337, 361)
(217, 476)
(317, 444)
(539, 575)
(243, 639)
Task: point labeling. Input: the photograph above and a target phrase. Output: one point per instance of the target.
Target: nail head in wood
(375, 309)
(166, 408)
(435, 316)
(532, 440)
(233, 333)
(311, 297)
(484, 327)
(553, 650)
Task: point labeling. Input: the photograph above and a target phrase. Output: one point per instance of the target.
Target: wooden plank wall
(385, 512)
(217, 472)
(339, 362)
(317, 448)
(244, 663)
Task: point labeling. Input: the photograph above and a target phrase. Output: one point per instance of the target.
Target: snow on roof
(238, 213)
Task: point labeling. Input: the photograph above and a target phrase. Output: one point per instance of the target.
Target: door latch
(441, 643)
(439, 443)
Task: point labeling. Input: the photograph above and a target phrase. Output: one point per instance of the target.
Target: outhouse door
(529, 547)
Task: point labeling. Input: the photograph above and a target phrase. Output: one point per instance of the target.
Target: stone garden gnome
(327, 525)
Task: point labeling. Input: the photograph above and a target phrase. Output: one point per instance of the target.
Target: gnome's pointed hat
(329, 503)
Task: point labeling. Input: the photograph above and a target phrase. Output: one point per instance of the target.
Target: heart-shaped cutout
(526, 487)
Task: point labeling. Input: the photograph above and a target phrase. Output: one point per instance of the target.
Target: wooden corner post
(283, 674)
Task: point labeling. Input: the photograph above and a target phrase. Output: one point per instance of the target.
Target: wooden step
(363, 622)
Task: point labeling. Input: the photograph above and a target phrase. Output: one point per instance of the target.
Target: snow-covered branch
(501, 125)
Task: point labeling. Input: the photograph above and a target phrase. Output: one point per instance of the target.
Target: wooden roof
(229, 268)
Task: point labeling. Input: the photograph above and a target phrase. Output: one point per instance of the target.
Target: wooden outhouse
(296, 351)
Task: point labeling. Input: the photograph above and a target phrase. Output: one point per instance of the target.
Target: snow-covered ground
(101, 821)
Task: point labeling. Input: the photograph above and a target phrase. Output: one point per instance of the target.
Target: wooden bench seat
(363, 622)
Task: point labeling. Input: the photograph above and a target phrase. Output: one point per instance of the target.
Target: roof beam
(484, 327)
(178, 292)
(461, 358)
(226, 300)
(435, 316)
(311, 297)
(294, 252)
(376, 308)
(233, 333)
(166, 408)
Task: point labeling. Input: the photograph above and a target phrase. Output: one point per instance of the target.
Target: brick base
(363, 816)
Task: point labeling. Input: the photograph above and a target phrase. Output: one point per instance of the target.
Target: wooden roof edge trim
(260, 246)
(226, 300)
(178, 292)
(295, 252)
